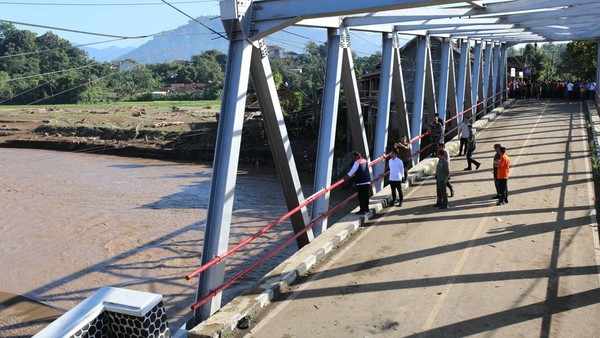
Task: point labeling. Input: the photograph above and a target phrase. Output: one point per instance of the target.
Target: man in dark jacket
(442, 174)
(362, 180)
(471, 146)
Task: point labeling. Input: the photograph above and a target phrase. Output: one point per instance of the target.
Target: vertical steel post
(429, 95)
(225, 165)
(355, 116)
(476, 76)
(502, 71)
(486, 76)
(326, 145)
(417, 113)
(462, 78)
(399, 92)
(452, 110)
(383, 106)
(442, 103)
(279, 141)
(496, 75)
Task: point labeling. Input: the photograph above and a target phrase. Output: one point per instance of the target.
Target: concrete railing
(112, 312)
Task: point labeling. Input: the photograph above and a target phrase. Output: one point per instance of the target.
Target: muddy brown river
(72, 223)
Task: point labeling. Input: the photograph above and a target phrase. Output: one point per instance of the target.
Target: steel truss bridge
(486, 27)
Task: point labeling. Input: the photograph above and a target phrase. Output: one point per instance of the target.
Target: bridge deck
(527, 268)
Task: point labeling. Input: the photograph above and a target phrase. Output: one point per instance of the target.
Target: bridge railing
(497, 98)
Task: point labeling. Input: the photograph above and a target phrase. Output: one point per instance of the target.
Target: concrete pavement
(528, 268)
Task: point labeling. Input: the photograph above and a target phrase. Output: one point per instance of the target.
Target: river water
(71, 223)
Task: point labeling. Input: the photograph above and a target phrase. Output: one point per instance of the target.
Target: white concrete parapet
(112, 312)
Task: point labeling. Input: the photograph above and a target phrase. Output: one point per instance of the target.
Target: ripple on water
(73, 223)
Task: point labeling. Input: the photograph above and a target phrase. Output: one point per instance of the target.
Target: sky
(112, 17)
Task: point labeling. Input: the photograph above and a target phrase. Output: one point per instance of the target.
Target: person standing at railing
(395, 178)
(442, 147)
(362, 181)
(503, 174)
(442, 174)
(463, 130)
(403, 151)
(592, 90)
(471, 146)
(495, 169)
(435, 132)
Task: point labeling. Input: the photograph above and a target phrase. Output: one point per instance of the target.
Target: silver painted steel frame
(246, 22)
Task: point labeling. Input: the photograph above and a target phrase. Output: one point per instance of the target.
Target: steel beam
(399, 92)
(430, 94)
(383, 106)
(502, 71)
(475, 82)
(354, 113)
(416, 124)
(452, 109)
(284, 13)
(279, 141)
(495, 75)
(462, 78)
(487, 65)
(442, 102)
(327, 127)
(225, 165)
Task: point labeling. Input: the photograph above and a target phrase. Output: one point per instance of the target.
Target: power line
(99, 4)
(302, 36)
(95, 63)
(55, 49)
(194, 19)
(78, 31)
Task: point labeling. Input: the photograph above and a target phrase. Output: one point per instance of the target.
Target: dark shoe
(400, 204)
(500, 203)
(459, 154)
(505, 201)
(477, 166)
(451, 193)
(467, 169)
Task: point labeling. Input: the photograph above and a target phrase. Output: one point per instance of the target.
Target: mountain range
(193, 38)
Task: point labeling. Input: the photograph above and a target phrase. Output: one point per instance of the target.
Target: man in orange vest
(502, 175)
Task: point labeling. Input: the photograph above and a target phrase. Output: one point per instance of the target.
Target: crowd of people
(399, 162)
(567, 90)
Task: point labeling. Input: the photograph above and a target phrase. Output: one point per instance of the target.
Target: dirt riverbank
(176, 133)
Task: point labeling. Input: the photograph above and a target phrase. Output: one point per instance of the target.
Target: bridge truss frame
(487, 27)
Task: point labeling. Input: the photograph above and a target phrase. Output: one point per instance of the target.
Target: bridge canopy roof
(506, 21)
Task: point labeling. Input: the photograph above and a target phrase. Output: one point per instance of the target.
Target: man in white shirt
(395, 178)
(570, 94)
(591, 90)
(463, 130)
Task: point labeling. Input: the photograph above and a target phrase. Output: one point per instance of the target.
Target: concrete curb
(225, 321)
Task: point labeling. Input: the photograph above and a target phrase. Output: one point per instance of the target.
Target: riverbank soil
(166, 132)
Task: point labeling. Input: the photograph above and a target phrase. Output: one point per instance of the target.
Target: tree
(579, 60)
(134, 81)
(57, 55)
(5, 88)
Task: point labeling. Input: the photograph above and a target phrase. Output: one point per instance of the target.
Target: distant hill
(192, 39)
(107, 54)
